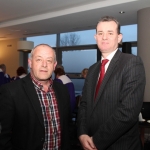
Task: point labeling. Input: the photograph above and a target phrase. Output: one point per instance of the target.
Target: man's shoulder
(95, 65)
(58, 85)
(125, 57)
(60, 88)
(16, 83)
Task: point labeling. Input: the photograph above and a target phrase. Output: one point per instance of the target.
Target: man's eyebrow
(49, 57)
(37, 56)
(41, 56)
(107, 31)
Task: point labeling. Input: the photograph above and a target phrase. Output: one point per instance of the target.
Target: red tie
(102, 73)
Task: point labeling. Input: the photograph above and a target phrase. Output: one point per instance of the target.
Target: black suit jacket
(112, 118)
(21, 116)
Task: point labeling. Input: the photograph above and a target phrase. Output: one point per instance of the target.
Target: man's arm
(86, 140)
(82, 112)
(6, 118)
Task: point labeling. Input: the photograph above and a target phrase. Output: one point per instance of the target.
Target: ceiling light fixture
(15, 30)
(121, 12)
(25, 46)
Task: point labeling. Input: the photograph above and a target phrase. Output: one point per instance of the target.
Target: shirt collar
(110, 56)
(38, 84)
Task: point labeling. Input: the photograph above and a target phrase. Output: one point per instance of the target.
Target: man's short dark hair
(110, 18)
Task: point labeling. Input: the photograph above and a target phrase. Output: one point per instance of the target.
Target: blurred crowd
(5, 78)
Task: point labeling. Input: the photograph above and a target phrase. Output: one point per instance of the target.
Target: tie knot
(104, 61)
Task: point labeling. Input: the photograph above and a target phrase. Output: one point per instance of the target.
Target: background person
(6, 76)
(59, 66)
(61, 77)
(2, 78)
(109, 120)
(35, 110)
(21, 73)
(84, 72)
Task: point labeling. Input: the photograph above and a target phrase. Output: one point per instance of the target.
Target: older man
(34, 111)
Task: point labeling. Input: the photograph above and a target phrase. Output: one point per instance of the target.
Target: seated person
(2, 78)
(62, 78)
(6, 76)
(84, 73)
(59, 66)
(21, 73)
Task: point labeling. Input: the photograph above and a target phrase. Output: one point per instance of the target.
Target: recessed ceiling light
(14, 30)
(121, 12)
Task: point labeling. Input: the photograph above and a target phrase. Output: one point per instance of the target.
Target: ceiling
(25, 18)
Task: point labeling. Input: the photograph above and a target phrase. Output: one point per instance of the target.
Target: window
(85, 37)
(134, 51)
(45, 39)
(129, 33)
(75, 61)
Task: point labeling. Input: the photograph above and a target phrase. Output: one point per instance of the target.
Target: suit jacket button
(42, 139)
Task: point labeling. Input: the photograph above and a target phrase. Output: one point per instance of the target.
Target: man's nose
(44, 63)
(104, 36)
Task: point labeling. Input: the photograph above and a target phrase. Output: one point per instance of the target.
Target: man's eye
(49, 61)
(99, 33)
(38, 60)
(110, 33)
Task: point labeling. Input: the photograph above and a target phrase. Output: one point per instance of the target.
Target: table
(142, 126)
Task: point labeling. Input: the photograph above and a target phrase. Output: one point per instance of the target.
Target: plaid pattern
(50, 114)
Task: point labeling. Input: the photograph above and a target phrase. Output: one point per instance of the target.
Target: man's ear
(95, 37)
(119, 37)
(55, 65)
(29, 62)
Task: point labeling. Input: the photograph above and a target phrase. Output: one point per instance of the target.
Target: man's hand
(87, 142)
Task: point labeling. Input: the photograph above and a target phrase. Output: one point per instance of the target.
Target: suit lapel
(32, 96)
(108, 74)
(93, 82)
(60, 103)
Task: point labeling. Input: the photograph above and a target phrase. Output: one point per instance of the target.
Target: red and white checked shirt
(50, 114)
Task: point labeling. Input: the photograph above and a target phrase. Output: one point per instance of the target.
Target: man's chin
(44, 79)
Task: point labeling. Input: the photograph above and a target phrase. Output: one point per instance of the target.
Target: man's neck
(45, 85)
(105, 55)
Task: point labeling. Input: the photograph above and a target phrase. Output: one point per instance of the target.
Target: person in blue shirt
(6, 76)
(61, 77)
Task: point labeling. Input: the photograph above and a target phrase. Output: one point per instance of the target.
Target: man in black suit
(109, 120)
(35, 111)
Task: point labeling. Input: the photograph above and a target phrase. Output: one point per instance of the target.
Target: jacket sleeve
(82, 112)
(6, 118)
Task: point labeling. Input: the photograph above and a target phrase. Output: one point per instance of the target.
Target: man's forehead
(50, 57)
(42, 49)
(45, 54)
(107, 22)
(109, 26)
